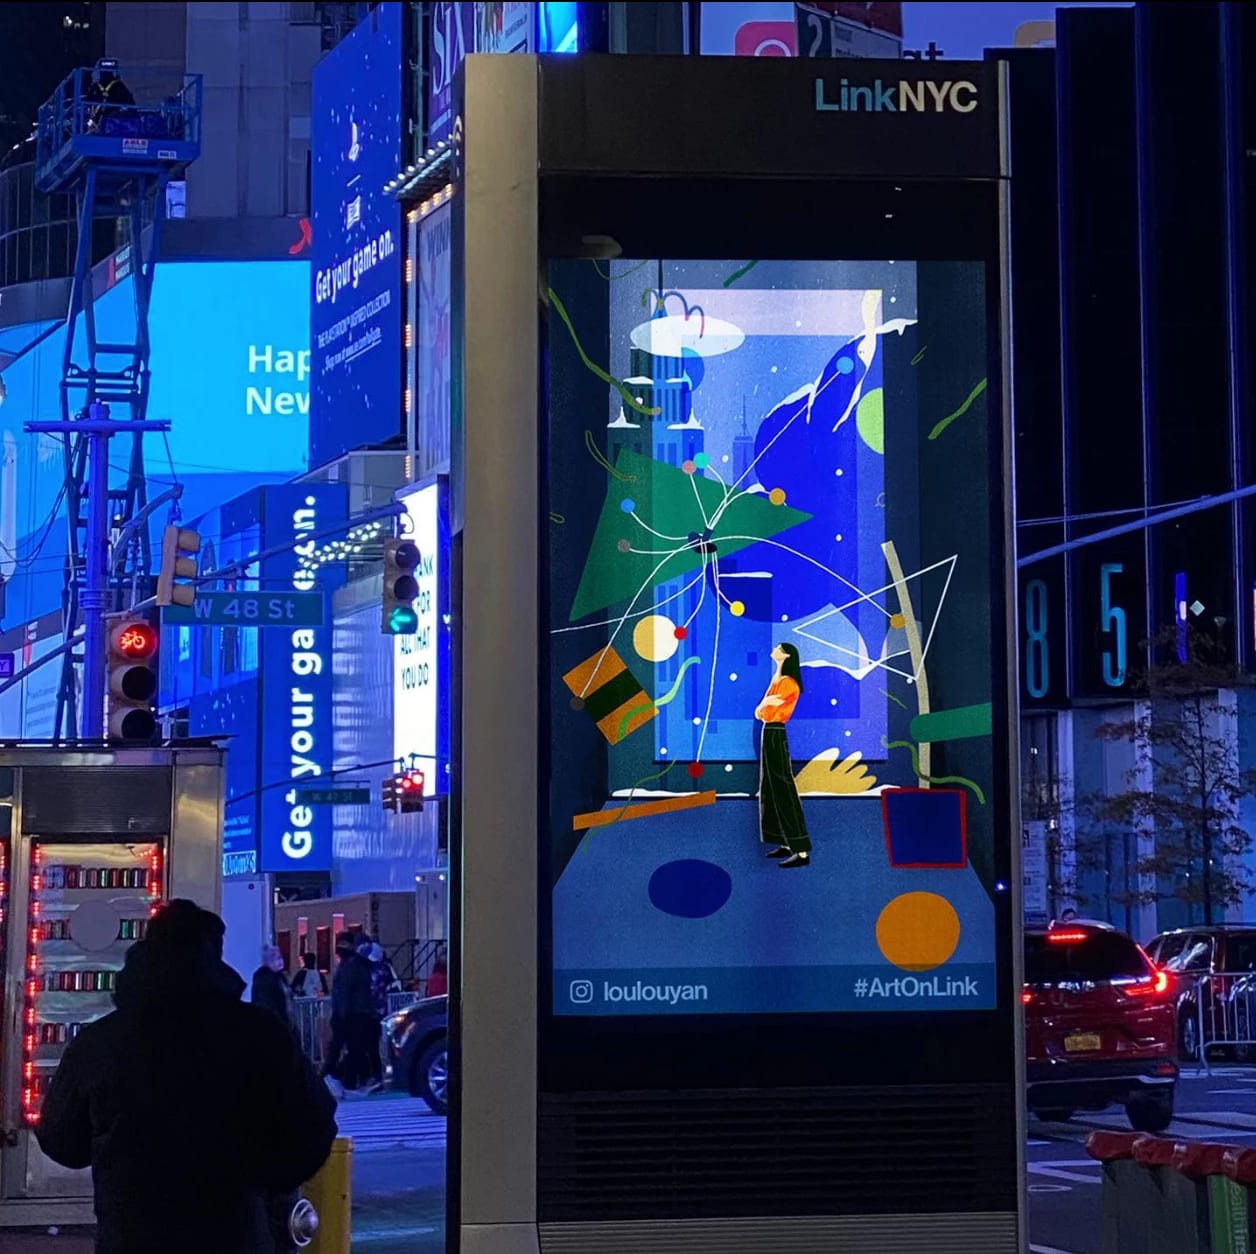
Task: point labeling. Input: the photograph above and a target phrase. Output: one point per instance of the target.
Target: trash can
(1186, 1196)
(1230, 1202)
(1130, 1197)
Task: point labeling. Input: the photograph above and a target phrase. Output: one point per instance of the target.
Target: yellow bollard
(330, 1192)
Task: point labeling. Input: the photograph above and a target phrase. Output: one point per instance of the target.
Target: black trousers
(781, 819)
(335, 1047)
(361, 1038)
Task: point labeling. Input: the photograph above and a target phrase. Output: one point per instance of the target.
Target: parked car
(1100, 1026)
(417, 1040)
(1213, 969)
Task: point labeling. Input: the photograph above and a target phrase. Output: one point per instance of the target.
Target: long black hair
(792, 665)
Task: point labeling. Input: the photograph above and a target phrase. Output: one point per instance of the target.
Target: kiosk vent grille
(777, 1152)
(96, 800)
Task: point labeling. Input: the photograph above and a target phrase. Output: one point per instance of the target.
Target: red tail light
(1072, 937)
(1153, 986)
(1026, 997)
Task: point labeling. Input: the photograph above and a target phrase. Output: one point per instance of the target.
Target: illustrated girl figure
(781, 824)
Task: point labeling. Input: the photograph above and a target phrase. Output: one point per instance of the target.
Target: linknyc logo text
(922, 96)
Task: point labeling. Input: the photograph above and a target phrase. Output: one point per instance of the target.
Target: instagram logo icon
(581, 992)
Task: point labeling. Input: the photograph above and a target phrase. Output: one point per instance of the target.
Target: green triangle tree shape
(663, 497)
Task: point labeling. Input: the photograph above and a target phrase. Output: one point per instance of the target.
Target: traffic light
(132, 680)
(401, 560)
(403, 793)
(410, 790)
(178, 545)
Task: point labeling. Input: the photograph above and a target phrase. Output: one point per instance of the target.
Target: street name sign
(249, 609)
(353, 796)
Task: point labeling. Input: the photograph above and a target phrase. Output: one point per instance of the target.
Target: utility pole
(96, 428)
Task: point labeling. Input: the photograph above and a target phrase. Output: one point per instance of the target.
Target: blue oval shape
(690, 888)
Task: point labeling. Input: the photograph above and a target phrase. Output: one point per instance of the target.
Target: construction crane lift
(114, 154)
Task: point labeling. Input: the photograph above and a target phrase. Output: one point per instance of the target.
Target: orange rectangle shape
(642, 810)
(594, 671)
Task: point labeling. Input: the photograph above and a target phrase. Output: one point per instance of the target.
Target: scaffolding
(111, 152)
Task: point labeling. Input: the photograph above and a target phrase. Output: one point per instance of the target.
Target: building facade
(1131, 223)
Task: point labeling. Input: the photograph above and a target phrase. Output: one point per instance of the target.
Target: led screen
(769, 678)
(355, 318)
(421, 660)
(213, 672)
(296, 751)
(229, 370)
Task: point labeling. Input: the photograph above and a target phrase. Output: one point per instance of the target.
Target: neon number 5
(1037, 663)
(1112, 622)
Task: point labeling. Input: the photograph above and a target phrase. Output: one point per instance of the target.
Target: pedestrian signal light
(131, 669)
(178, 562)
(401, 560)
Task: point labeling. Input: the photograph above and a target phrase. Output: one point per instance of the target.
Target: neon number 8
(1037, 663)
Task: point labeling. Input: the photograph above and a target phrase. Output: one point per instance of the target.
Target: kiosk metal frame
(518, 119)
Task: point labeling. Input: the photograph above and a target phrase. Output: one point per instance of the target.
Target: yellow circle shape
(777, 496)
(654, 637)
(898, 621)
(918, 931)
(736, 608)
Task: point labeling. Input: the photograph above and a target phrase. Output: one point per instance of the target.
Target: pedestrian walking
(438, 978)
(383, 981)
(193, 1110)
(347, 1065)
(309, 981)
(270, 989)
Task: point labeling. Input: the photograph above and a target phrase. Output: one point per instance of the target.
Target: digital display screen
(296, 752)
(230, 362)
(453, 36)
(213, 671)
(355, 311)
(770, 679)
(421, 660)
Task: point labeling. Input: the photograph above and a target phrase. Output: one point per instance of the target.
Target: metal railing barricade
(1225, 1015)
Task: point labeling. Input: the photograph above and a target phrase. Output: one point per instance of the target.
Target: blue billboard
(230, 370)
(269, 690)
(356, 308)
(296, 750)
(213, 673)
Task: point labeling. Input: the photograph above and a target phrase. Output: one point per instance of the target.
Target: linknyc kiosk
(736, 773)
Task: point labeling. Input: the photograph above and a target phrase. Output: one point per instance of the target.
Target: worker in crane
(111, 99)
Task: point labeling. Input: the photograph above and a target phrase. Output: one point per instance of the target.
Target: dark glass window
(1101, 956)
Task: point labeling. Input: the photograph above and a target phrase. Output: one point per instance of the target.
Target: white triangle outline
(881, 663)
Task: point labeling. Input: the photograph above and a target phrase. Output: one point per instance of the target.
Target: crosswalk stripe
(377, 1125)
(1058, 1173)
(1238, 1118)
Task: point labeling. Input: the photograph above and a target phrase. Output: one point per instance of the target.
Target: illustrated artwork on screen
(770, 557)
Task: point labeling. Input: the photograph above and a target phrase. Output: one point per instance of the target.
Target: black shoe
(799, 859)
(781, 851)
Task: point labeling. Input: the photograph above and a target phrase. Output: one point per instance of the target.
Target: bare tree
(1181, 836)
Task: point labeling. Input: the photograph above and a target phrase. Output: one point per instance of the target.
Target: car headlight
(398, 1028)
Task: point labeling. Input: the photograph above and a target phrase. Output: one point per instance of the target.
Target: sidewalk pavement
(65, 1241)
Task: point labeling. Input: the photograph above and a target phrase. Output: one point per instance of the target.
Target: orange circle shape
(918, 931)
